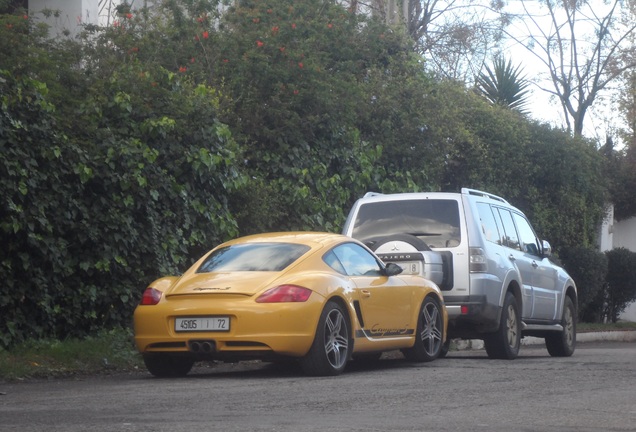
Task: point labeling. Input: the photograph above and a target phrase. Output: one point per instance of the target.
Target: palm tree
(504, 85)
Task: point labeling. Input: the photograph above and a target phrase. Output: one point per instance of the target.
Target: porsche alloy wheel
(329, 352)
(430, 333)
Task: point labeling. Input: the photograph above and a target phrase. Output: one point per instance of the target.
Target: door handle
(511, 257)
(366, 293)
(534, 264)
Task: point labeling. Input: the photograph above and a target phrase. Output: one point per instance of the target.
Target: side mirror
(547, 249)
(392, 269)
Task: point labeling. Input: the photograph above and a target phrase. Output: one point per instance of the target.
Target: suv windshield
(436, 222)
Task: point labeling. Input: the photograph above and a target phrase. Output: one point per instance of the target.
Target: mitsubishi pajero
(498, 282)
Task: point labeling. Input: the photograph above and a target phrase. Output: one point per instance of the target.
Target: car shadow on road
(393, 360)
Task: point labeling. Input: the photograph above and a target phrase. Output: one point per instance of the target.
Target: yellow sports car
(317, 297)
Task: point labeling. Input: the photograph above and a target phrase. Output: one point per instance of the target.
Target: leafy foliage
(588, 268)
(128, 152)
(621, 282)
(99, 198)
(504, 85)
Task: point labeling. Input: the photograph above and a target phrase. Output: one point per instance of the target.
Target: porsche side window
(332, 261)
(356, 260)
(253, 257)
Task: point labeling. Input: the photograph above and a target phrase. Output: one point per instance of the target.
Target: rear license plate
(410, 267)
(202, 324)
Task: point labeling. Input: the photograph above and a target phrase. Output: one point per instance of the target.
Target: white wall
(71, 14)
(625, 234)
(615, 234)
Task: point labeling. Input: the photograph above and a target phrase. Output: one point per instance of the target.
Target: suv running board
(548, 327)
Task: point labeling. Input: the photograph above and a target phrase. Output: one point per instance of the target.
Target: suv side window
(529, 240)
(510, 238)
(488, 225)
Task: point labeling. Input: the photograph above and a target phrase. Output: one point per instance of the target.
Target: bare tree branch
(583, 51)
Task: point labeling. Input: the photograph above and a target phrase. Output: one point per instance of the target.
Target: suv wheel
(504, 343)
(562, 344)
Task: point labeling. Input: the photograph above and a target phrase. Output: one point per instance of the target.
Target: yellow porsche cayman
(320, 298)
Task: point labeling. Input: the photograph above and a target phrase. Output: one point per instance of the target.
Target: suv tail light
(477, 260)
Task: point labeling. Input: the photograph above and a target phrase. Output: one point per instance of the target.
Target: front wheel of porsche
(329, 352)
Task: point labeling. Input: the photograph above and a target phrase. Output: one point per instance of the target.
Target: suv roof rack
(476, 192)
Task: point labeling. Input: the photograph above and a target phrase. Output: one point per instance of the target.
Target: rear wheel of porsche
(168, 365)
(430, 333)
(329, 352)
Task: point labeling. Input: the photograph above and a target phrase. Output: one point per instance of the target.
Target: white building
(616, 234)
(65, 17)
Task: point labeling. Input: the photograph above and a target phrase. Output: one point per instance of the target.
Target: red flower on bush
(259, 43)
(275, 29)
(296, 92)
(129, 15)
(294, 26)
(206, 34)
(281, 49)
(183, 69)
(301, 65)
(256, 20)
(329, 25)
(192, 60)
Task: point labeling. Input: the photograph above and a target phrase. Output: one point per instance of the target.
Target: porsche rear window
(253, 257)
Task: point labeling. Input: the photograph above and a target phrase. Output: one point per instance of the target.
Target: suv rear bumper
(471, 316)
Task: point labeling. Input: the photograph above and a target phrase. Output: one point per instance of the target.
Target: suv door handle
(366, 293)
(511, 257)
(534, 264)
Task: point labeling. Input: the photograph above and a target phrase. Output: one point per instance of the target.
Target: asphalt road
(595, 390)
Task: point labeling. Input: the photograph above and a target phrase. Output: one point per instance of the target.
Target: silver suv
(498, 282)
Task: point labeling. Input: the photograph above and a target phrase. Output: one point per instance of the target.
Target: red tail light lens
(151, 297)
(285, 294)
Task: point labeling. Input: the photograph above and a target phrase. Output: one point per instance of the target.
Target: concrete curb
(614, 336)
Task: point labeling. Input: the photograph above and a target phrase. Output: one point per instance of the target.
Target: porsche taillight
(285, 294)
(151, 297)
